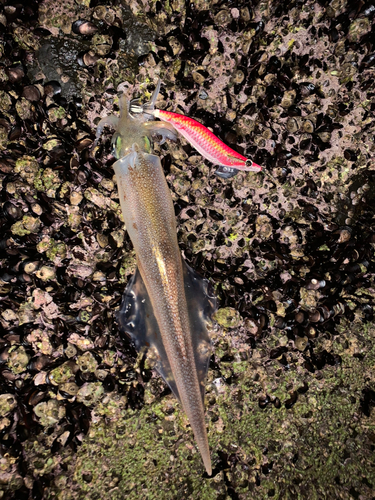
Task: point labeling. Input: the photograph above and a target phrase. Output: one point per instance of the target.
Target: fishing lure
(202, 139)
(166, 306)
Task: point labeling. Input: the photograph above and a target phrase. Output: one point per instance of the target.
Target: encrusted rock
(50, 412)
(90, 393)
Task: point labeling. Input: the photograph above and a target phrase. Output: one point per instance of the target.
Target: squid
(167, 307)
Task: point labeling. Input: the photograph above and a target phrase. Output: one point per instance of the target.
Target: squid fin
(136, 318)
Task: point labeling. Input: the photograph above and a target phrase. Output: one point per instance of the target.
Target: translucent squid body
(202, 139)
(166, 305)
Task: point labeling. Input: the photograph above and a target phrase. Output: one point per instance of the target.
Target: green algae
(322, 447)
(55, 250)
(47, 180)
(62, 374)
(87, 363)
(227, 317)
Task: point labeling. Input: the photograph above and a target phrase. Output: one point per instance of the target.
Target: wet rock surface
(290, 390)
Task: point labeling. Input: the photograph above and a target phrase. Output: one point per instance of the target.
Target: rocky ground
(290, 251)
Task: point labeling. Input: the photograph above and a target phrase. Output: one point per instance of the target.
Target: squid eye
(116, 145)
(148, 144)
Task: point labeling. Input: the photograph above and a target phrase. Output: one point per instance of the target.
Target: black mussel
(299, 317)
(367, 401)
(334, 35)
(274, 65)
(280, 323)
(23, 278)
(368, 11)
(36, 397)
(52, 88)
(368, 61)
(294, 110)
(83, 143)
(39, 363)
(277, 403)
(309, 366)
(15, 73)
(87, 59)
(267, 468)
(306, 88)
(264, 401)
(6, 276)
(304, 388)
(277, 352)
(11, 211)
(315, 316)
(42, 32)
(31, 93)
(292, 400)
(82, 27)
(15, 133)
(305, 142)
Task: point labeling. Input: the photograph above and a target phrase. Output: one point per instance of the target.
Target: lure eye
(252, 167)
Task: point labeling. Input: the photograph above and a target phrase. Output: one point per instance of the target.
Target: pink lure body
(206, 143)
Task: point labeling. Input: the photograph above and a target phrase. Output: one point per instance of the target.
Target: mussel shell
(36, 397)
(11, 211)
(31, 93)
(299, 317)
(82, 27)
(264, 401)
(315, 316)
(52, 88)
(15, 73)
(87, 59)
(15, 133)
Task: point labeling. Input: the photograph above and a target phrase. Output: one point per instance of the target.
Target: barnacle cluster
(291, 389)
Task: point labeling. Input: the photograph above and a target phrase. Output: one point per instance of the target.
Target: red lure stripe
(210, 146)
